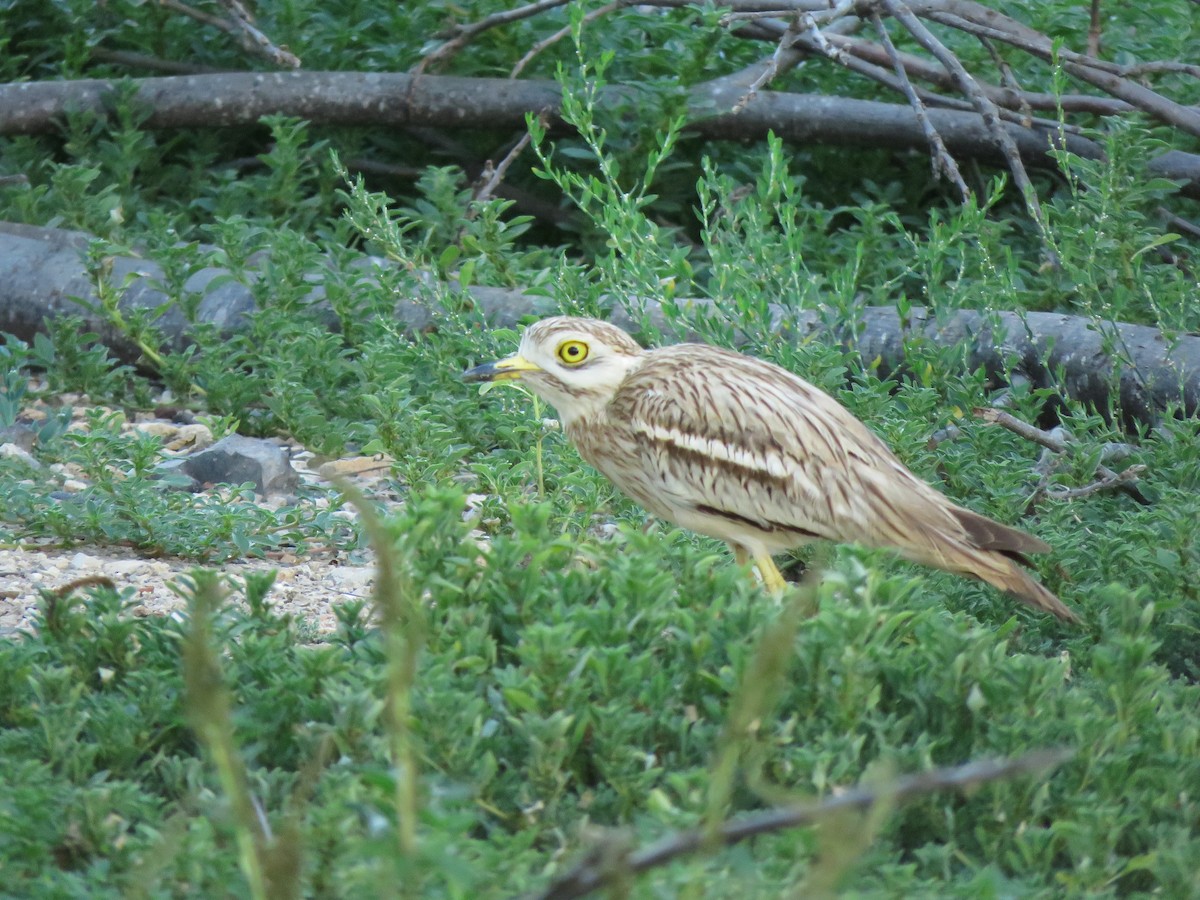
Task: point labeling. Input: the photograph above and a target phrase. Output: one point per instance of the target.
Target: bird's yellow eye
(572, 352)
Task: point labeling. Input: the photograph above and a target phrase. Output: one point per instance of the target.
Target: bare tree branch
(1004, 97)
(987, 110)
(250, 37)
(1093, 39)
(229, 99)
(979, 20)
(610, 860)
(943, 162)
(868, 59)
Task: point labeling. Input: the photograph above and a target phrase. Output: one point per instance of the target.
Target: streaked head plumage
(574, 364)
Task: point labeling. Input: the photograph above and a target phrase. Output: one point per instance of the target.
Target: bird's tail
(1002, 572)
(998, 562)
(995, 553)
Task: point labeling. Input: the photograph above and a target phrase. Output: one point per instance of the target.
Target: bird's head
(575, 365)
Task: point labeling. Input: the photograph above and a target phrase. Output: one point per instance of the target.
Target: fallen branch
(608, 861)
(229, 99)
(1132, 369)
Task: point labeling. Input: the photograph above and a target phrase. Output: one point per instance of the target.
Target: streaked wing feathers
(751, 440)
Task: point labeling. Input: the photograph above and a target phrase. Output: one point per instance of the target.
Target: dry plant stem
(587, 876)
(943, 163)
(562, 33)
(88, 581)
(209, 707)
(991, 115)
(757, 692)
(460, 35)
(403, 624)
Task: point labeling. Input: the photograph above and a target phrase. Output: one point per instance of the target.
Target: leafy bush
(565, 676)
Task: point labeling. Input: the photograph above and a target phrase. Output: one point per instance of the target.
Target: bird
(742, 450)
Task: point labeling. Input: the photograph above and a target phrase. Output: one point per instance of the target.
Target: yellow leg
(773, 580)
(771, 577)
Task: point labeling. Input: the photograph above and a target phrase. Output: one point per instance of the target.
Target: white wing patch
(771, 464)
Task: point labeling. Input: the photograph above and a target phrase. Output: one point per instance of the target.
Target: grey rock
(236, 460)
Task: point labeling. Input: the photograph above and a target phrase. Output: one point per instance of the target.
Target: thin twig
(599, 868)
(941, 160)
(254, 40)
(1113, 481)
(1021, 429)
(240, 25)
(562, 33)
(153, 63)
(1008, 79)
(784, 58)
(458, 36)
(491, 176)
(182, 8)
(1058, 444)
(1156, 66)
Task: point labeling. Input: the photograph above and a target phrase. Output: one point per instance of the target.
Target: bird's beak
(503, 370)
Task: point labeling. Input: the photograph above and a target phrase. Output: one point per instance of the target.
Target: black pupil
(572, 351)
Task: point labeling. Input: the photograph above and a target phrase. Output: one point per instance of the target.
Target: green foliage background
(570, 680)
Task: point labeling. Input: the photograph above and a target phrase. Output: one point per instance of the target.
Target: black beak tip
(486, 372)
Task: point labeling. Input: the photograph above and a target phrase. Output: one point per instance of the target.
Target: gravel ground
(307, 588)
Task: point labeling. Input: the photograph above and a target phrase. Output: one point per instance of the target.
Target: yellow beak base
(502, 370)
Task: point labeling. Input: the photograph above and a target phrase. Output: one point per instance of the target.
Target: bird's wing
(742, 438)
